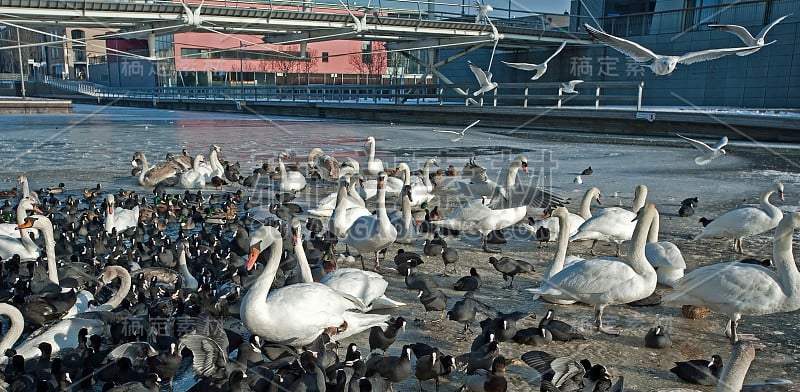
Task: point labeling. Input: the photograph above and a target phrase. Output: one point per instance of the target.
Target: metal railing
(506, 94)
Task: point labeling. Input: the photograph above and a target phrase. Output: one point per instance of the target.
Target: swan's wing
(767, 28)
(737, 30)
(721, 143)
(628, 48)
(523, 66)
(560, 48)
(212, 329)
(704, 148)
(483, 78)
(206, 354)
(711, 54)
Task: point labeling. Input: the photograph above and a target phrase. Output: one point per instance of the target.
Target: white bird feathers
(461, 133)
(745, 35)
(569, 87)
(709, 152)
(539, 68)
(484, 79)
(661, 65)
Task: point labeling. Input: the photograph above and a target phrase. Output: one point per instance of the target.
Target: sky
(454, 6)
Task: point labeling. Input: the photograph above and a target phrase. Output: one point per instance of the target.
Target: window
(324, 57)
(366, 52)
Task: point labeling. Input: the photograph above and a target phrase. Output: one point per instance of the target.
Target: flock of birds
(658, 64)
(112, 290)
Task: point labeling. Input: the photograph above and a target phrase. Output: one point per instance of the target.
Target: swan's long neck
(561, 248)
(144, 162)
(406, 210)
(189, 280)
(655, 226)
(383, 217)
(214, 160)
(406, 174)
(253, 301)
(281, 168)
(371, 151)
(639, 198)
(511, 176)
(586, 203)
(783, 256)
(771, 211)
(636, 257)
(50, 251)
(15, 328)
(426, 175)
(734, 372)
(302, 261)
(23, 182)
(124, 285)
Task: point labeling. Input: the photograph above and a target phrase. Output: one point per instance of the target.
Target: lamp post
(241, 70)
(21, 70)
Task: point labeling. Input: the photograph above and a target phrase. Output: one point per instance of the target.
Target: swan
(746, 221)
(27, 249)
(425, 180)
(151, 176)
(374, 165)
(609, 280)
(403, 221)
(15, 327)
(24, 205)
(216, 168)
(575, 220)
(367, 286)
(188, 281)
(475, 216)
(107, 276)
(613, 224)
(196, 177)
(562, 243)
(344, 214)
(296, 314)
(325, 165)
(372, 233)
(22, 181)
(326, 205)
(739, 289)
(479, 184)
(419, 191)
(665, 256)
(120, 218)
(291, 181)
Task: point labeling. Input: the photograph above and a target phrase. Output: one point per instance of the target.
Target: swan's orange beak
(110, 209)
(599, 201)
(25, 225)
(780, 195)
(381, 182)
(525, 167)
(37, 209)
(254, 252)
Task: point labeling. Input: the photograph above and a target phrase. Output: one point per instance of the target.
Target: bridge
(286, 22)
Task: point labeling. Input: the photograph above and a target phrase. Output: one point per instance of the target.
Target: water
(95, 145)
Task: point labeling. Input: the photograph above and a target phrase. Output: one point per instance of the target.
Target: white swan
(216, 168)
(153, 175)
(291, 181)
(372, 233)
(403, 221)
(475, 216)
(479, 184)
(373, 166)
(420, 192)
(24, 205)
(27, 249)
(197, 176)
(345, 213)
(561, 215)
(610, 280)
(22, 181)
(327, 204)
(62, 335)
(746, 221)
(189, 282)
(665, 256)
(612, 224)
(575, 220)
(119, 218)
(296, 314)
(107, 276)
(367, 286)
(323, 164)
(739, 289)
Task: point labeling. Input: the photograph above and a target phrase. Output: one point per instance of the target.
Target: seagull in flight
(484, 79)
(569, 87)
(745, 35)
(661, 65)
(539, 68)
(483, 12)
(460, 134)
(709, 152)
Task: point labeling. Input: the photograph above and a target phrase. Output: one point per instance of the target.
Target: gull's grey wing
(628, 48)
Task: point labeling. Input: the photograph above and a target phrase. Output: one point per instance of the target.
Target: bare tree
(10, 57)
(371, 61)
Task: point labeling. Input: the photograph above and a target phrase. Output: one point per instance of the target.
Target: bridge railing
(600, 94)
